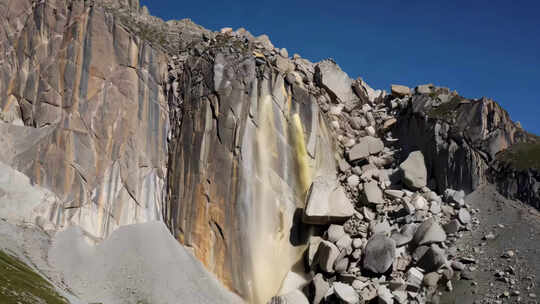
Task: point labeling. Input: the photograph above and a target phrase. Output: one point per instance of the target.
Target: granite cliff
(110, 117)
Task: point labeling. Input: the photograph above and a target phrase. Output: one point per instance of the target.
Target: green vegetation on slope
(522, 156)
(446, 110)
(20, 284)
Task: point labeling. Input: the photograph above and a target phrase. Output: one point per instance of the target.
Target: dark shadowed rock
(433, 259)
(327, 255)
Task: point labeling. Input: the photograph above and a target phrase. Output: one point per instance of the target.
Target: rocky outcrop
(459, 138)
(516, 172)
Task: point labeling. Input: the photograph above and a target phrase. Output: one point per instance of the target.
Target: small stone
(464, 216)
(431, 279)
(508, 254)
(433, 259)
(335, 233)
(346, 293)
(371, 131)
(353, 181)
(449, 286)
(344, 165)
(489, 236)
(420, 203)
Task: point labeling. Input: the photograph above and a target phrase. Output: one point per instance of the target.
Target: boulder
(346, 293)
(366, 146)
(335, 232)
(327, 202)
(414, 172)
(327, 255)
(318, 289)
(430, 231)
(400, 90)
(452, 227)
(425, 88)
(336, 82)
(433, 259)
(373, 193)
(264, 42)
(379, 254)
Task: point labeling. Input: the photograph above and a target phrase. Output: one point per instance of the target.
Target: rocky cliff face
(83, 112)
(459, 137)
(247, 138)
(110, 117)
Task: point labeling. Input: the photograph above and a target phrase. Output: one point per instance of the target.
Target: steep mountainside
(112, 117)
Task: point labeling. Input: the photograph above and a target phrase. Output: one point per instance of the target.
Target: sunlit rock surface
(83, 112)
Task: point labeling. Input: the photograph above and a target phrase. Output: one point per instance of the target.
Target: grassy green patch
(522, 156)
(20, 284)
(446, 110)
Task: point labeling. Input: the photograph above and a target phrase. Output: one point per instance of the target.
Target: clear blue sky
(477, 47)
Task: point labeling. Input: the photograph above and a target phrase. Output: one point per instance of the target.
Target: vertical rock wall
(90, 91)
(245, 145)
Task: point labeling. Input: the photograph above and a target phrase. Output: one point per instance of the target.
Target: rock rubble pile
(390, 238)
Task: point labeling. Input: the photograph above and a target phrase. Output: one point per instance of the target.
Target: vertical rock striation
(88, 93)
(246, 143)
